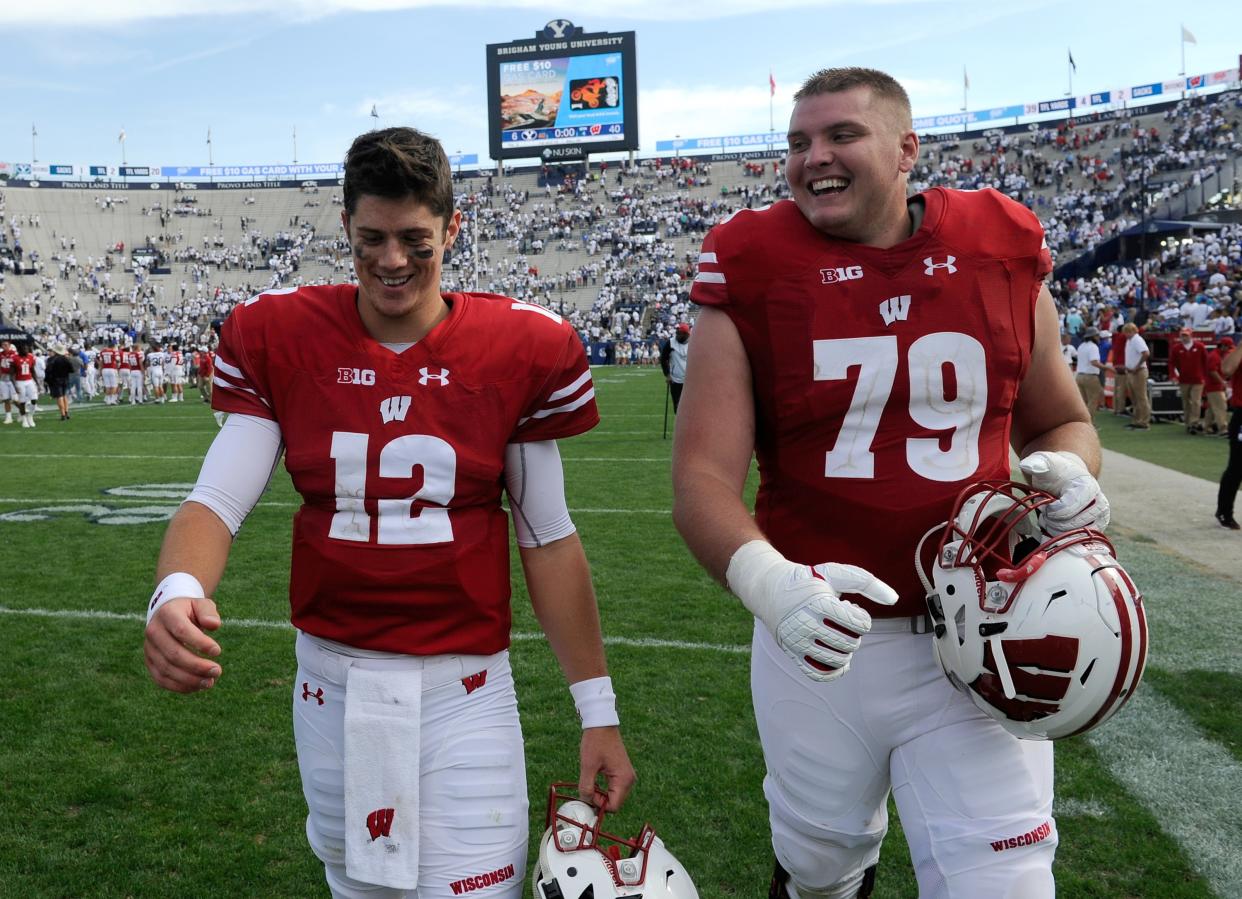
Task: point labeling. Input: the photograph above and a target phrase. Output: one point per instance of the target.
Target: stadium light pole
(34, 156)
(295, 144)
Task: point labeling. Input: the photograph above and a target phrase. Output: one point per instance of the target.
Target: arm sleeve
(536, 486)
(237, 468)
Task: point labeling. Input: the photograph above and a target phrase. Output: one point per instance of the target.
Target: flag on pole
(33, 131)
(121, 137)
(1073, 65)
(771, 83)
(209, 135)
(1187, 37)
(965, 79)
(374, 112)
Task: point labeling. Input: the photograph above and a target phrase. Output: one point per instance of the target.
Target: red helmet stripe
(1125, 678)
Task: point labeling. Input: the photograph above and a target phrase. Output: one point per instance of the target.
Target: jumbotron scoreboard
(563, 94)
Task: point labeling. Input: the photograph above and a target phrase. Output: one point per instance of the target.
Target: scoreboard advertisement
(562, 94)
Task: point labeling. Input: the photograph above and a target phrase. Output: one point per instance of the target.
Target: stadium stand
(613, 247)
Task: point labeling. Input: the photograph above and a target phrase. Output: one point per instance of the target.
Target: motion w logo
(395, 408)
(379, 822)
(895, 308)
(472, 682)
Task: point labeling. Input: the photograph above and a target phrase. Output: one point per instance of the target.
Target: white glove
(1080, 503)
(801, 608)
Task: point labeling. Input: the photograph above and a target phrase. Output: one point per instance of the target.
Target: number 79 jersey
(884, 379)
(401, 543)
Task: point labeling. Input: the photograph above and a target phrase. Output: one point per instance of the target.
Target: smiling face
(398, 247)
(850, 154)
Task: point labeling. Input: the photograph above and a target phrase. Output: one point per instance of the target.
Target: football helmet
(579, 860)
(1046, 634)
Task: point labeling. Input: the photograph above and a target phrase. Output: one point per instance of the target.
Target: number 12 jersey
(401, 543)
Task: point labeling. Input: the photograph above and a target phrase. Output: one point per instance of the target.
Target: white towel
(381, 776)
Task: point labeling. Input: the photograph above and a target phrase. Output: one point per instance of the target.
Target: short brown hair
(396, 163)
(882, 85)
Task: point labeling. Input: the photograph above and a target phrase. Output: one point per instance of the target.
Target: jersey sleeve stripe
(556, 410)
(229, 370)
(710, 278)
(225, 385)
(571, 389)
(707, 257)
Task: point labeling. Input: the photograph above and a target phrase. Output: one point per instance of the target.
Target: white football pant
(975, 802)
(473, 806)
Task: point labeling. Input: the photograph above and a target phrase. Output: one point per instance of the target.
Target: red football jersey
(6, 363)
(401, 543)
(884, 379)
(23, 367)
(108, 358)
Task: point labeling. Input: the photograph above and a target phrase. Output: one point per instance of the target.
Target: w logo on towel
(379, 822)
(472, 682)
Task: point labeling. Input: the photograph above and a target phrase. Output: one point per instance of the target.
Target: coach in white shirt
(1137, 354)
(1087, 368)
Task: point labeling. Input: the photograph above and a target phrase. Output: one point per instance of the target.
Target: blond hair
(881, 84)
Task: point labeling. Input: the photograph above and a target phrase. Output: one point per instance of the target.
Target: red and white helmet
(1046, 634)
(578, 860)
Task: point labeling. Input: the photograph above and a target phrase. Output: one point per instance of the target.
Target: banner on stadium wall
(728, 142)
(1065, 104)
(306, 170)
(957, 119)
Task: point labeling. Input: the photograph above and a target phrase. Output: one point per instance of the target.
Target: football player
(174, 373)
(109, 360)
(25, 388)
(401, 412)
(7, 389)
(156, 359)
(878, 353)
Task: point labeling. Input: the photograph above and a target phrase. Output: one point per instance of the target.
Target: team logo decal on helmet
(579, 860)
(1045, 634)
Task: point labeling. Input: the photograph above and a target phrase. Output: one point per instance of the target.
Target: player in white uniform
(155, 369)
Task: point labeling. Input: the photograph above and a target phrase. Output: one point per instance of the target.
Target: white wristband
(595, 701)
(175, 586)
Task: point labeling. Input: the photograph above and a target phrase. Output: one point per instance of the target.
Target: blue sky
(253, 71)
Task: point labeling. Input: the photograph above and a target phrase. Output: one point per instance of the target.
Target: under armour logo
(394, 408)
(155, 599)
(932, 266)
(425, 375)
(472, 682)
(307, 695)
(379, 822)
(895, 308)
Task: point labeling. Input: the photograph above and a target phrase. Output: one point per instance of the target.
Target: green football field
(112, 787)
